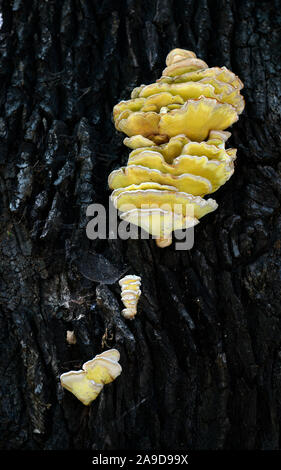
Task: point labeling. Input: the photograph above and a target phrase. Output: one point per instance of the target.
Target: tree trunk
(202, 360)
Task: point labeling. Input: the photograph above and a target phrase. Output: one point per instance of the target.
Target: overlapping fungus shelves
(176, 130)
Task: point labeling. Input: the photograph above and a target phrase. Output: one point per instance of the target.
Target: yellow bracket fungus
(189, 98)
(159, 222)
(136, 174)
(176, 130)
(86, 384)
(130, 294)
(195, 118)
(177, 201)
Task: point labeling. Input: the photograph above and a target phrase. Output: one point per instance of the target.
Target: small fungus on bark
(130, 294)
(87, 383)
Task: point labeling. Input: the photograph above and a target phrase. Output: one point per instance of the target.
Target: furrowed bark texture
(202, 360)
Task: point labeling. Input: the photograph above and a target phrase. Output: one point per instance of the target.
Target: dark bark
(202, 360)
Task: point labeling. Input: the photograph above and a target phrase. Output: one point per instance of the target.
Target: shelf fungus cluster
(130, 293)
(176, 131)
(87, 383)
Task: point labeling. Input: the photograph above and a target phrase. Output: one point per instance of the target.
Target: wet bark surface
(202, 360)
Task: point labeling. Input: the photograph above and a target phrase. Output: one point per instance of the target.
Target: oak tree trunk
(202, 360)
